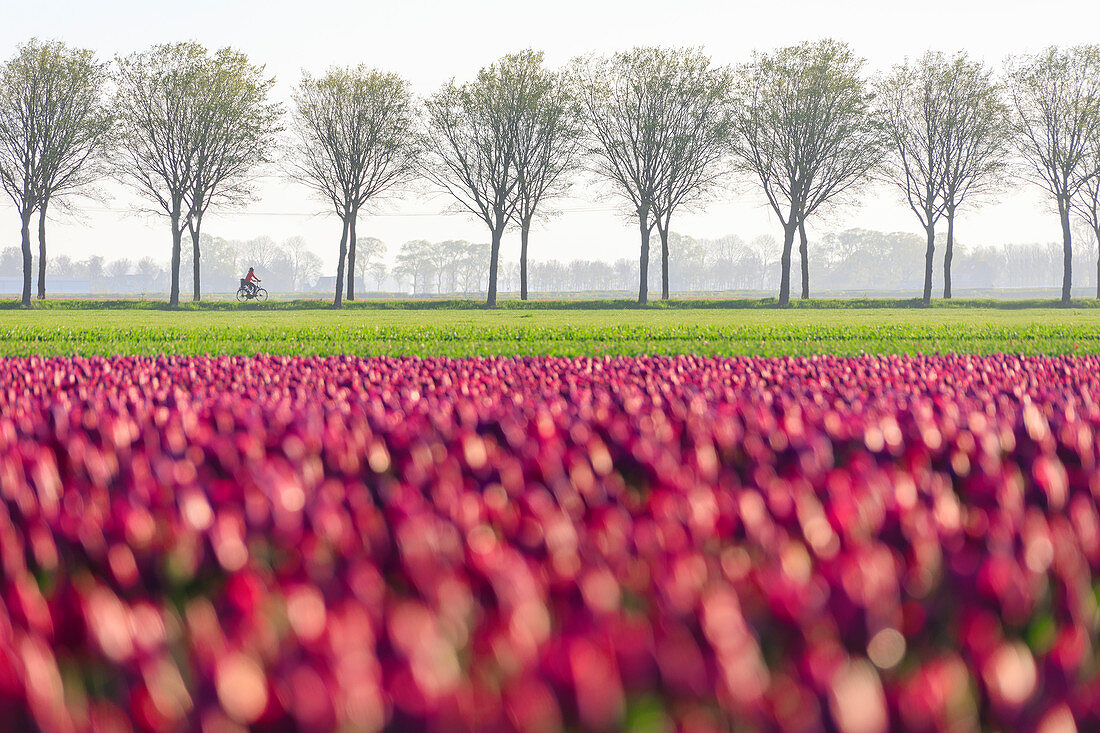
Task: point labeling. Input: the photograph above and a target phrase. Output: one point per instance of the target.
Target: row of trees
(662, 129)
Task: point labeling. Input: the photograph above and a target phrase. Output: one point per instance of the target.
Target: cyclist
(249, 282)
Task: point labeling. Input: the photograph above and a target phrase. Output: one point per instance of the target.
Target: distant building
(54, 286)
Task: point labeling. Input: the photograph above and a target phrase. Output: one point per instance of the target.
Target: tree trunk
(177, 247)
(803, 253)
(1067, 252)
(524, 230)
(1096, 233)
(27, 264)
(197, 295)
(494, 257)
(338, 302)
(643, 260)
(663, 232)
(351, 255)
(929, 252)
(785, 265)
(948, 253)
(42, 250)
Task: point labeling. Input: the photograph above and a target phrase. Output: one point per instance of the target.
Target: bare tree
(471, 141)
(356, 143)
(976, 140)
(628, 103)
(259, 252)
(74, 125)
(915, 102)
(547, 147)
(148, 270)
(23, 93)
(371, 250)
(379, 272)
(117, 270)
(805, 130)
(1055, 100)
(305, 265)
(159, 105)
(234, 134)
(1087, 206)
(413, 264)
(702, 129)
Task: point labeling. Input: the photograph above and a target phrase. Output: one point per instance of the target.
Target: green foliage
(562, 328)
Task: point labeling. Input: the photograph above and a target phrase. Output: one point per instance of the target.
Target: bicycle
(245, 293)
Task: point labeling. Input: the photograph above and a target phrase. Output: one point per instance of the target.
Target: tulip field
(543, 544)
(283, 537)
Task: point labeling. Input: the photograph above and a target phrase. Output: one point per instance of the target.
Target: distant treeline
(850, 260)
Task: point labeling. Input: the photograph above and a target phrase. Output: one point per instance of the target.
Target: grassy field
(460, 328)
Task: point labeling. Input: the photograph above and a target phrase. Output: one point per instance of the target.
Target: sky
(431, 41)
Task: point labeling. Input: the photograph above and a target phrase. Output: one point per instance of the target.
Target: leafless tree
(355, 143)
(805, 130)
(976, 142)
(305, 265)
(234, 134)
(23, 94)
(473, 131)
(629, 104)
(1087, 206)
(546, 150)
(1055, 99)
(915, 100)
(702, 131)
(159, 108)
(371, 250)
(74, 125)
(379, 272)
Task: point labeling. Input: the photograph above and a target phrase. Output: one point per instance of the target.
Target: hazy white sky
(428, 41)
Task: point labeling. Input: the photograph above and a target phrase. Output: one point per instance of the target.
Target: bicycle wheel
(261, 295)
(241, 295)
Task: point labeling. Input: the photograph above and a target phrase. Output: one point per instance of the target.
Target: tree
(413, 264)
(378, 273)
(915, 101)
(159, 104)
(11, 260)
(305, 264)
(94, 268)
(1087, 207)
(1055, 100)
(234, 134)
(23, 95)
(702, 126)
(471, 142)
(117, 270)
(259, 252)
(947, 128)
(628, 102)
(371, 251)
(148, 270)
(805, 129)
(976, 139)
(441, 259)
(547, 145)
(356, 143)
(72, 121)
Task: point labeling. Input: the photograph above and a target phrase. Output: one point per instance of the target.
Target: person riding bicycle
(248, 282)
